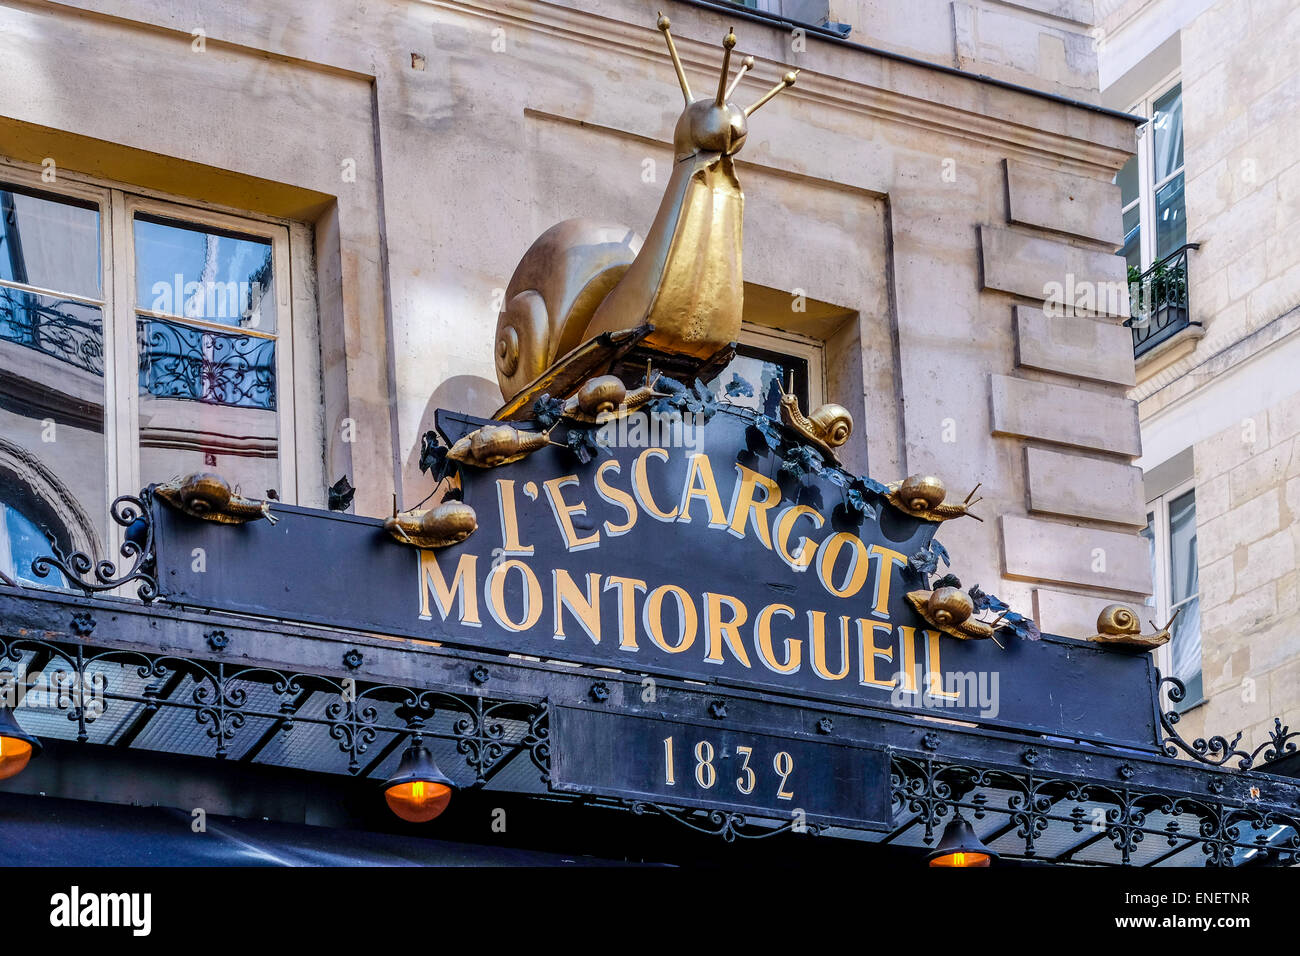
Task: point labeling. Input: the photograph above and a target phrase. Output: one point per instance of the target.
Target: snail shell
(950, 606)
(451, 519)
(832, 423)
(205, 493)
(602, 394)
(493, 444)
(1117, 619)
(921, 492)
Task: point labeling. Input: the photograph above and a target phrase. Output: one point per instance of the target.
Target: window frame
(117, 204)
(1147, 187)
(804, 347)
(1161, 604)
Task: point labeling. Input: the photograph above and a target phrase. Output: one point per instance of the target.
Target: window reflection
(767, 373)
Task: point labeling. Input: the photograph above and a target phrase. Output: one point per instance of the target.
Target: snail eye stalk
(664, 25)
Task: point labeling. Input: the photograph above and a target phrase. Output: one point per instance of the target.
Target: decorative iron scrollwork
(133, 513)
(727, 824)
(1218, 750)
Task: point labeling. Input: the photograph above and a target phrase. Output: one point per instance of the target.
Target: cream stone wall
(423, 146)
(1247, 502)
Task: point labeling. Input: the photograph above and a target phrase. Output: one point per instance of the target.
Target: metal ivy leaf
(547, 411)
(582, 442)
(802, 462)
(1021, 626)
(433, 457)
(926, 561)
(739, 387)
(856, 503)
(947, 581)
(986, 602)
(340, 496)
(765, 431)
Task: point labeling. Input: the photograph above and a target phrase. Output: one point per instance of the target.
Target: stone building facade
(1218, 398)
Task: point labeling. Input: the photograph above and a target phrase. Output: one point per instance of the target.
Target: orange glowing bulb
(419, 801)
(14, 754)
(961, 859)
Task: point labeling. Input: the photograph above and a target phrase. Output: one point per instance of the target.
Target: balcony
(1158, 301)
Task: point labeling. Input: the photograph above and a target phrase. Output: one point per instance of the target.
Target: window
(172, 318)
(771, 362)
(1151, 183)
(1171, 533)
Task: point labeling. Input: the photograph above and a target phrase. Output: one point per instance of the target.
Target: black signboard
(696, 555)
(687, 764)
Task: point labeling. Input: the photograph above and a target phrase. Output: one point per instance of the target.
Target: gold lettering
(584, 607)
(464, 585)
(857, 573)
(641, 485)
(785, 525)
(869, 652)
(497, 596)
(763, 641)
(652, 615)
(615, 496)
(743, 504)
(707, 490)
(510, 542)
(908, 658)
(887, 558)
(626, 588)
(817, 637)
(564, 513)
(729, 631)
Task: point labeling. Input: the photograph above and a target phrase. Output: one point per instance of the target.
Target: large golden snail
(1118, 626)
(208, 496)
(582, 279)
(922, 496)
(951, 611)
(449, 523)
(494, 445)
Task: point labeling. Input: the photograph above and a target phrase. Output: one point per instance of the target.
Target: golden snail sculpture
(494, 445)
(827, 428)
(209, 497)
(606, 395)
(951, 611)
(1118, 626)
(449, 523)
(922, 496)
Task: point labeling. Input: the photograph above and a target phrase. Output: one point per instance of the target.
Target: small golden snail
(208, 496)
(494, 445)
(922, 496)
(949, 606)
(449, 523)
(828, 428)
(605, 396)
(1118, 626)
(951, 611)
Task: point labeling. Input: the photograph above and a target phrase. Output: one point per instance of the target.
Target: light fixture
(17, 746)
(418, 791)
(960, 846)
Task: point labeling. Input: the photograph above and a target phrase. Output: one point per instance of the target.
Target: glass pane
(1131, 250)
(1185, 649)
(21, 542)
(187, 271)
(1149, 533)
(1171, 220)
(1167, 126)
(1127, 178)
(1182, 548)
(208, 403)
(49, 243)
(767, 374)
(53, 461)
(59, 329)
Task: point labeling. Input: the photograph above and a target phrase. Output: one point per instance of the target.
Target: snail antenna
(664, 24)
(746, 65)
(787, 80)
(728, 44)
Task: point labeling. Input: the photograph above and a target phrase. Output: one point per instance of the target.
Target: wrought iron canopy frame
(1017, 785)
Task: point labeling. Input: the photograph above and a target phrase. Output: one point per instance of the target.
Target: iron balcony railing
(1158, 301)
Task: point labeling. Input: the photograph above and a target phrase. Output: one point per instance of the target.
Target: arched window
(21, 542)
